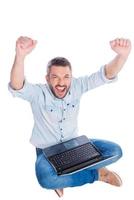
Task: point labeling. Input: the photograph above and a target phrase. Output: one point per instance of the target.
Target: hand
(24, 46)
(121, 46)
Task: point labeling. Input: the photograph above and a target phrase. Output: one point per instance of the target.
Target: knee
(44, 173)
(47, 182)
(117, 151)
(108, 148)
(44, 182)
(45, 179)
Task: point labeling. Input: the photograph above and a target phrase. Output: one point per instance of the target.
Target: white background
(79, 30)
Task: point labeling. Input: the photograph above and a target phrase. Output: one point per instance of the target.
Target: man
(55, 107)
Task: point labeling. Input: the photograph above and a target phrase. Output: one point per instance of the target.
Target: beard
(59, 91)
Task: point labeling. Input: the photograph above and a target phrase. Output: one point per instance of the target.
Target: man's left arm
(122, 47)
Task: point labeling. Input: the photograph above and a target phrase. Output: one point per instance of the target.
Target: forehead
(60, 70)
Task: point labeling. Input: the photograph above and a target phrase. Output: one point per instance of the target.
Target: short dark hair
(58, 61)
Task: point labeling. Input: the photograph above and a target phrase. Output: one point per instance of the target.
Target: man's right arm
(24, 46)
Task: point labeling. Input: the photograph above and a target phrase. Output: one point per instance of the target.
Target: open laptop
(73, 155)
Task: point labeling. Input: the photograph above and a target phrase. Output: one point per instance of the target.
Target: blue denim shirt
(55, 120)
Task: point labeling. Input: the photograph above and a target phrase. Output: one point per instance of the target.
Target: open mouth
(60, 89)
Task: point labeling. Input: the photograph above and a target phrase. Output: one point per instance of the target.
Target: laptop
(73, 155)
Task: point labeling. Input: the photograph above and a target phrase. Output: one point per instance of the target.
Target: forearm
(114, 67)
(122, 47)
(17, 73)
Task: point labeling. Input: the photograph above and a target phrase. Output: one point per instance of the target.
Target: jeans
(48, 178)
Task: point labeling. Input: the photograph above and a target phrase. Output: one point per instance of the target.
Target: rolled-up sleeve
(28, 92)
(104, 78)
(86, 83)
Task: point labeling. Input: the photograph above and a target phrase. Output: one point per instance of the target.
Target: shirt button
(64, 109)
(61, 129)
(73, 106)
(67, 104)
(51, 110)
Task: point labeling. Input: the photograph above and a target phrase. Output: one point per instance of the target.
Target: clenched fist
(121, 46)
(24, 46)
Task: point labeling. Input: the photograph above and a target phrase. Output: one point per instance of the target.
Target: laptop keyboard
(74, 156)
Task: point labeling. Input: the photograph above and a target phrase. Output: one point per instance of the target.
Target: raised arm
(122, 47)
(24, 46)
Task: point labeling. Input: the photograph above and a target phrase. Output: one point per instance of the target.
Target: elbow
(16, 86)
(109, 73)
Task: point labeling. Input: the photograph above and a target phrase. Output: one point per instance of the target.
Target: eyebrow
(58, 76)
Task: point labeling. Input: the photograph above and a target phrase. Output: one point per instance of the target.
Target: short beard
(51, 88)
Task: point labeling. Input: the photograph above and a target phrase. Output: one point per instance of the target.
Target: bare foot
(59, 192)
(109, 177)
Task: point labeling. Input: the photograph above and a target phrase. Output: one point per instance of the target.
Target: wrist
(20, 57)
(123, 57)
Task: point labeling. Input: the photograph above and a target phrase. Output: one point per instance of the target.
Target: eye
(67, 76)
(54, 77)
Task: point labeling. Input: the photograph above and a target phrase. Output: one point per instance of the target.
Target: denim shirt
(55, 120)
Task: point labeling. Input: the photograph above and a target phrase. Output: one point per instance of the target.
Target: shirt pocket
(72, 110)
(53, 113)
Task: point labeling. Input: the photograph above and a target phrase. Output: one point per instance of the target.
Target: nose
(61, 82)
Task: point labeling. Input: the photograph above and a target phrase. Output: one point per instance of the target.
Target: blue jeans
(48, 178)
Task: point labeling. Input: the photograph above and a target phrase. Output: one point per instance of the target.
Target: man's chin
(60, 96)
